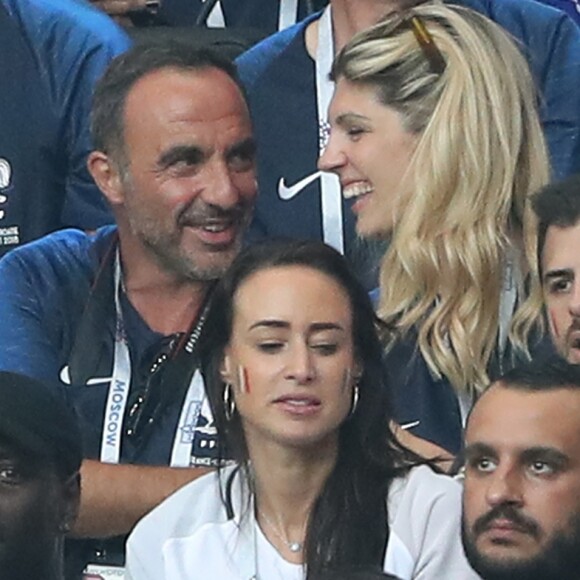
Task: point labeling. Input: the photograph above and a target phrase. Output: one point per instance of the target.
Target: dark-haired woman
(293, 370)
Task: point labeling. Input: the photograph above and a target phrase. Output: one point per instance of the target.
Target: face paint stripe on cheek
(243, 380)
(347, 381)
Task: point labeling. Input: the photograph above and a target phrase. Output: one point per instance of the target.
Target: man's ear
(107, 176)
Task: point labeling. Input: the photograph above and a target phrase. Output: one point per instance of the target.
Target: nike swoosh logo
(410, 425)
(287, 192)
(65, 378)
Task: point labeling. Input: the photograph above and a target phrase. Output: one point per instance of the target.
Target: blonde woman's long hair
(480, 155)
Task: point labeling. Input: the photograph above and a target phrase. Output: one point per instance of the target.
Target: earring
(355, 394)
(229, 402)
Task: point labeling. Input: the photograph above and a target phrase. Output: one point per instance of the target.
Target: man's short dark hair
(543, 374)
(107, 114)
(557, 204)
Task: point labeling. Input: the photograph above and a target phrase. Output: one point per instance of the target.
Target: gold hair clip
(427, 44)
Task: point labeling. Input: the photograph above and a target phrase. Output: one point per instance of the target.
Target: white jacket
(189, 536)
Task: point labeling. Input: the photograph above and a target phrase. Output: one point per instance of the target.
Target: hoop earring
(229, 402)
(355, 395)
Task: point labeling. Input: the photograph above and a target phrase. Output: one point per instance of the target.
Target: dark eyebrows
(529, 455)
(320, 326)
(549, 454)
(270, 324)
(245, 149)
(478, 449)
(189, 153)
(559, 273)
(314, 327)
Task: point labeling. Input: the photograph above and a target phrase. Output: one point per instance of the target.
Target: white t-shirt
(189, 535)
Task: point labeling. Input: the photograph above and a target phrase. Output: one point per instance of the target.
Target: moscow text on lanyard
(183, 359)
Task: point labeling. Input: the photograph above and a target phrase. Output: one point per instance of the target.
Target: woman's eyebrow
(270, 323)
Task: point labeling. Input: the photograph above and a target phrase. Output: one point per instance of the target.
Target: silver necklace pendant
(294, 547)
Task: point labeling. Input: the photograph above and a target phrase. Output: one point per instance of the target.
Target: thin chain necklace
(294, 547)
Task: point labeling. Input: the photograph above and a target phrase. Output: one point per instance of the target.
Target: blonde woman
(436, 139)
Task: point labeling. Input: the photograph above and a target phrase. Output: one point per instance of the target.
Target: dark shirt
(257, 14)
(58, 312)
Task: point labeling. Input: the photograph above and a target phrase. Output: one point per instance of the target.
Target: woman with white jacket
(293, 368)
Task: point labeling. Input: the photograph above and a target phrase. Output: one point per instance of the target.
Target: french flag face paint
(243, 379)
(347, 381)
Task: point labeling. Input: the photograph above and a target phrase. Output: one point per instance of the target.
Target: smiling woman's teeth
(356, 189)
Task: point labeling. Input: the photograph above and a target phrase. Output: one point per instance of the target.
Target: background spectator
(572, 7)
(521, 503)
(51, 54)
(40, 458)
(554, 290)
(451, 200)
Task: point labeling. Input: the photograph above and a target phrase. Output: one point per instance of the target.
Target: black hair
(107, 113)
(36, 420)
(557, 204)
(348, 524)
(547, 373)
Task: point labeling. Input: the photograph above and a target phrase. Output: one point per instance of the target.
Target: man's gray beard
(188, 270)
(559, 560)
(166, 248)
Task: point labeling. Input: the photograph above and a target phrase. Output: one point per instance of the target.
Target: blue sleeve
(84, 205)
(571, 7)
(84, 60)
(550, 41)
(27, 341)
(72, 43)
(254, 63)
(43, 292)
(560, 79)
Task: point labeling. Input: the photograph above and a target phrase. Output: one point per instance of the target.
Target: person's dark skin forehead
(25, 459)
